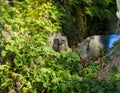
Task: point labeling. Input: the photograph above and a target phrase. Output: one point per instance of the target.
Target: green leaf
(4, 53)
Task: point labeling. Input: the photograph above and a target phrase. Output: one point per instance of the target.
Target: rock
(96, 45)
(118, 8)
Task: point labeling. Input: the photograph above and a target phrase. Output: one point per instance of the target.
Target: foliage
(85, 17)
(96, 8)
(27, 62)
(91, 8)
(24, 44)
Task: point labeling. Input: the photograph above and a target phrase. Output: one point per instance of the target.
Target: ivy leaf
(4, 53)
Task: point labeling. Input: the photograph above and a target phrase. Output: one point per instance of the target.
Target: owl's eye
(63, 41)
